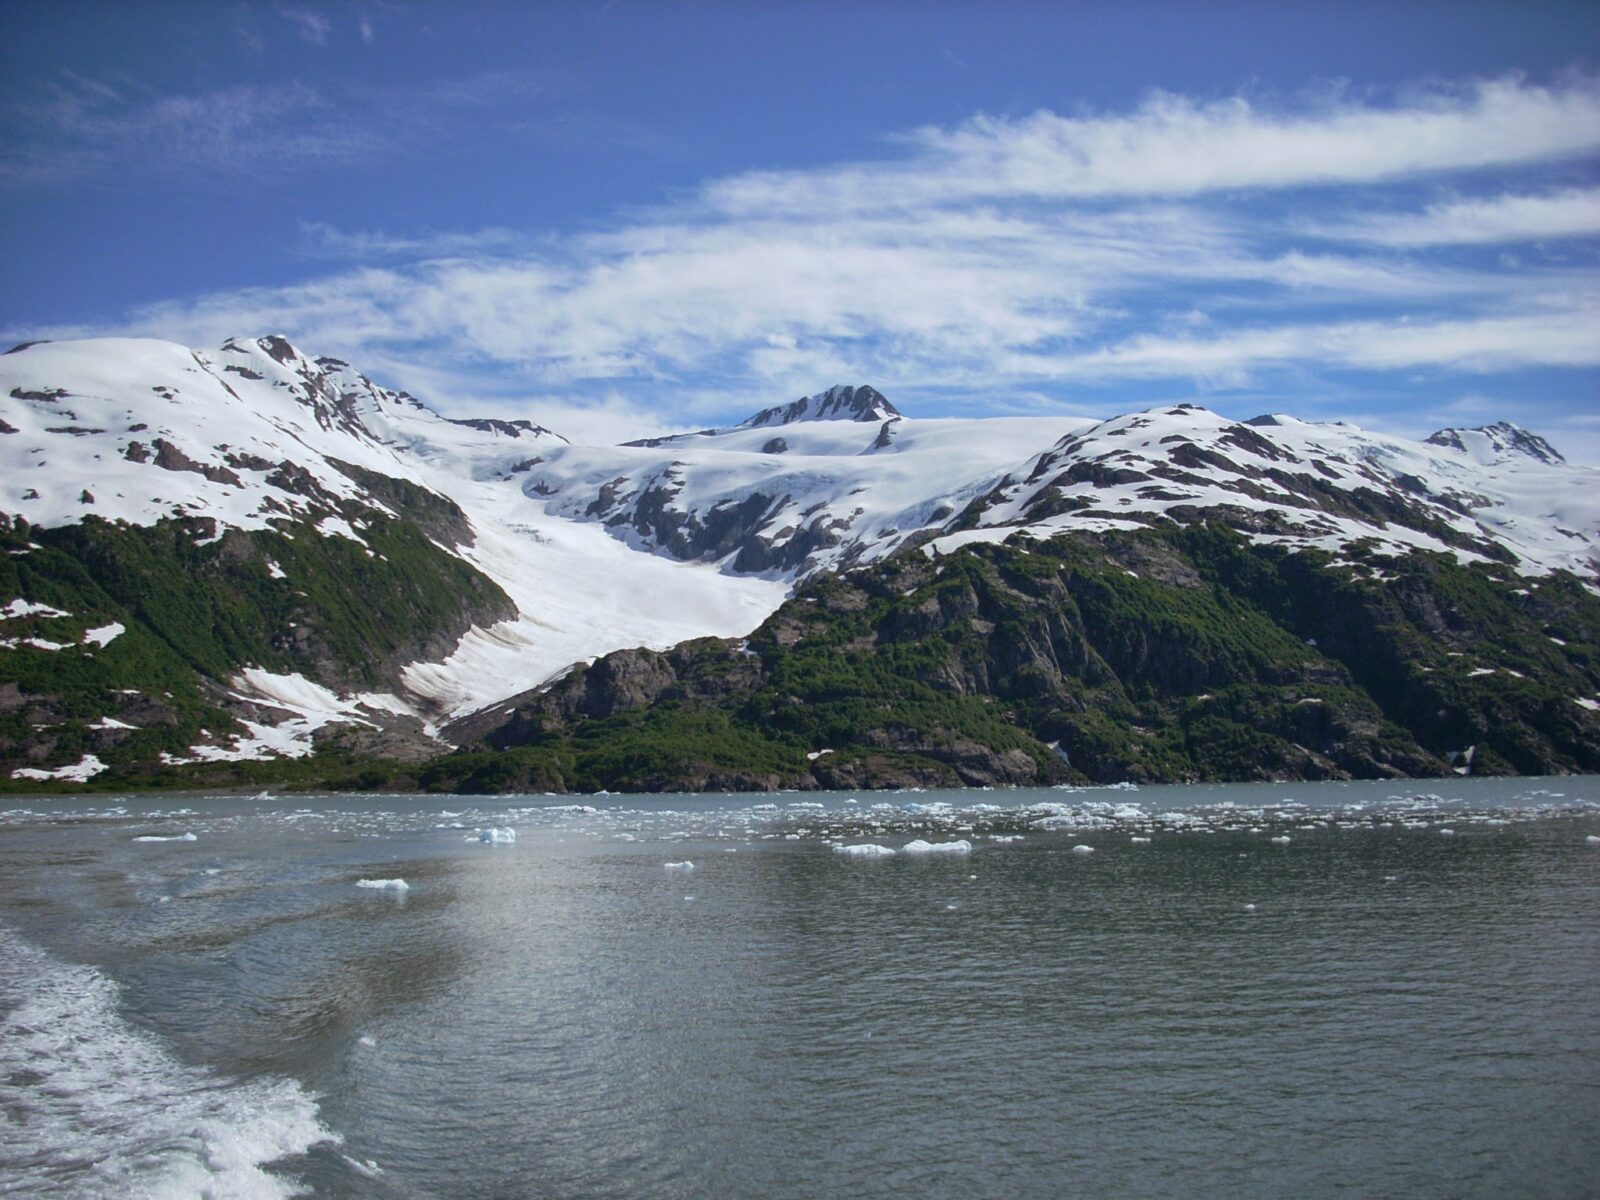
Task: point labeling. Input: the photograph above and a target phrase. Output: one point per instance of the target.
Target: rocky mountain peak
(840, 403)
(1497, 442)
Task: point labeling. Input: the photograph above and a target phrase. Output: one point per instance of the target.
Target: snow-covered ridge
(829, 494)
(1498, 443)
(654, 542)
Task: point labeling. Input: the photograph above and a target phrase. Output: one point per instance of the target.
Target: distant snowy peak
(1497, 443)
(841, 403)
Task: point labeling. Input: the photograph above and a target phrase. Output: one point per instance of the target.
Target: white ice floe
(866, 850)
(497, 834)
(157, 837)
(1140, 841)
(1592, 840)
(1082, 849)
(384, 885)
(1281, 840)
(921, 847)
(685, 865)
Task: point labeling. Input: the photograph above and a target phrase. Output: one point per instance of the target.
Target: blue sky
(621, 218)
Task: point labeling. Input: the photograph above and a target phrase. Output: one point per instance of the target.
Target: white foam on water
(96, 1108)
(369, 1168)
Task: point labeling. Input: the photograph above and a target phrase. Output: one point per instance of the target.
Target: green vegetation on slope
(196, 608)
(1161, 655)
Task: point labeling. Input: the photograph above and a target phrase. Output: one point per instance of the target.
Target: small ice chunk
(921, 847)
(497, 833)
(866, 850)
(1140, 841)
(385, 885)
(366, 1041)
(1281, 840)
(1082, 849)
(156, 837)
(1592, 840)
(1249, 908)
(685, 865)
(1447, 833)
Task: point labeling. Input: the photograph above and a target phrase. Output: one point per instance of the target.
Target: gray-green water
(1377, 1007)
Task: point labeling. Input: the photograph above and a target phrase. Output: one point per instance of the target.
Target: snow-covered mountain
(650, 543)
(255, 434)
(793, 497)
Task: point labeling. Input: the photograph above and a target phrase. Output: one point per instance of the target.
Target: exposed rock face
(1500, 440)
(1152, 657)
(841, 403)
(512, 429)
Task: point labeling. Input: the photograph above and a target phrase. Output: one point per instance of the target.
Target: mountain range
(249, 563)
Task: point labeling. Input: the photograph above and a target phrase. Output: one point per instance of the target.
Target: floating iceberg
(685, 865)
(921, 847)
(866, 850)
(156, 837)
(1082, 849)
(497, 834)
(387, 885)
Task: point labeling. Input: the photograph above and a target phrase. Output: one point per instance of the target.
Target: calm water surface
(1403, 999)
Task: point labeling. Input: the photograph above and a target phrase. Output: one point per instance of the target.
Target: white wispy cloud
(1502, 342)
(1177, 146)
(1514, 217)
(321, 240)
(310, 25)
(81, 128)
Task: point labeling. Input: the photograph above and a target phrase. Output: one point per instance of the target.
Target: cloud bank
(1210, 244)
